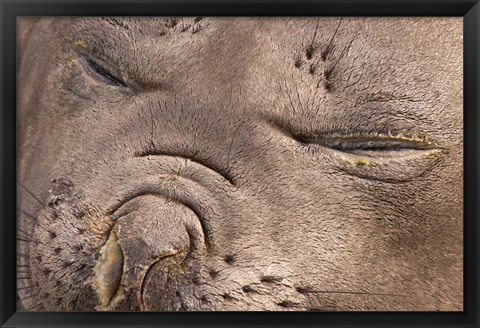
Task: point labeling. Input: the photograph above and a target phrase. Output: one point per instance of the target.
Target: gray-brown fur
(214, 172)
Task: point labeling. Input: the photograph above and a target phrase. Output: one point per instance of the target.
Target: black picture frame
(468, 9)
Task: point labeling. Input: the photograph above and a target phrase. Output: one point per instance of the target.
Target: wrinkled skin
(240, 164)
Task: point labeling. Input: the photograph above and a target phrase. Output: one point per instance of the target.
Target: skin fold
(184, 164)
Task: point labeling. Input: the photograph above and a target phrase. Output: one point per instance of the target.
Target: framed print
(312, 164)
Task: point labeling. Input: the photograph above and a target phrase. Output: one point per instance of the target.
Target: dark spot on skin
(327, 85)
(39, 258)
(171, 23)
(81, 231)
(66, 264)
(303, 289)
(196, 28)
(81, 267)
(45, 295)
(323, 55)
(96, 256)
(204, 299)
(59, 301)
(248, 289)
(309, 52)
(58, 284)
(196, 280)
(312, 69)
(227, 297)
(229, 259)
(177, 293)
(325, 51)
(46, 272)
(52, 234)
(78, 248)
(213, 273)
(327, 72)
(298, 63)
(57, 250)
(197, 19)
(185, 27)
(287, 304)
(79, 214)
(269, 279)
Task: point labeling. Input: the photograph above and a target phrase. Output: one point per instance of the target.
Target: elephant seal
(302, 164)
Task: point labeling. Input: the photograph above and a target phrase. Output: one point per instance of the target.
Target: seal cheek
(108, 272)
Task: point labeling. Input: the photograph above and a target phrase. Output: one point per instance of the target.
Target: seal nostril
(108, 271)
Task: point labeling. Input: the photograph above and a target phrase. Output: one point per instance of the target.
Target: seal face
(170, 164)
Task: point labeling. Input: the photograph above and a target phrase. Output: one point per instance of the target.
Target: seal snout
(149, 232)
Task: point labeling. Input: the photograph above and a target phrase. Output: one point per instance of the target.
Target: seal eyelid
(371, 142)
(106, 75)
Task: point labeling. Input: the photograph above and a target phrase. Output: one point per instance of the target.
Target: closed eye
(373, 156)
(387, 158)
(372, 142)
(103, 74)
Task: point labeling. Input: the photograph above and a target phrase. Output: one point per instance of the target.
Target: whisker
(23, 255)
(29, 296)
(30, 216)
(24, 278)
(28, 239)
(31, 193)
(328, 47)
(37, 307)
(24, 232)
(24, 240)
(311, 47)
(343, 53)
(23, 266)
(26, 287)
(311, 291)
(325, 51)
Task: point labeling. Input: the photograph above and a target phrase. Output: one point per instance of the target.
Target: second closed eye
(100, 72)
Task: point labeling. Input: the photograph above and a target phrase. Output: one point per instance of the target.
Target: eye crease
(108, 77)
